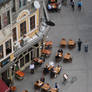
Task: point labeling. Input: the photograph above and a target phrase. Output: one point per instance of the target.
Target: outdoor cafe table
(67, 57)
(63, 42)
(38, 83)
(45, 51)
(38, 60)
(53, 90)
(57, 69)
(49, 43)
(71, 43)
(59, 54)
(45, 87)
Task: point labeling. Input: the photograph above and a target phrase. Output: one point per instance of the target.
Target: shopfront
(6, 74)
(26, 57)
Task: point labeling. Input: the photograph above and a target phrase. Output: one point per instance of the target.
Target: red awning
(3, 87)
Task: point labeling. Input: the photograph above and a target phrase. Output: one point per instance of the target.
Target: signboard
(4, 62)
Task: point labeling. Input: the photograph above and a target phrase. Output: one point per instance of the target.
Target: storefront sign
(4, 62)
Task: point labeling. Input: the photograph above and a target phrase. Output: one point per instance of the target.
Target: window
(8, 47)
(32, 22)
(1, 51)
(24, 2)
(14, 6)
(27, 58)
(14, 34)
(20, 4)
(0, 23)
(6, 18)
(22, 62)
(37, 52)
(23, 28)
(32, 55)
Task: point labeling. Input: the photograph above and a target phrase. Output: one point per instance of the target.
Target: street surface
(69, 25)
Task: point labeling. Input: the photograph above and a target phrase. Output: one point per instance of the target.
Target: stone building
(22, 35)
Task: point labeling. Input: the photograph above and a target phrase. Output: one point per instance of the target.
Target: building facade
(23, 36)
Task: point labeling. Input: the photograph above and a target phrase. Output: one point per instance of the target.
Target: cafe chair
(12, 88)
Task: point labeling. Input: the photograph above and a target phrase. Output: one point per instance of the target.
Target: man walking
(79, 44)
(79, 5)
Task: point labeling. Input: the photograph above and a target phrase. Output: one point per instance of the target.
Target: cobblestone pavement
(72, 25)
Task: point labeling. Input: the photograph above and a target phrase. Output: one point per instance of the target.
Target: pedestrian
(59, 6)
(86, 46)
(79, 5)
(42, 78)
(32, 66)
(64, 2)
(57, 86)
(73, 5)
(79, 44)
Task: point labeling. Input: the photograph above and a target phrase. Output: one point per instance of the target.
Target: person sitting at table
(60, 50)
(25, 91)
(42, 78)
(52, 74)
(45, 70)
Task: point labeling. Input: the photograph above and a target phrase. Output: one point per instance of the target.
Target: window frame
(23, 28)
(7, 46)
(30, 22)
(0, 22)
(13, 33)
(2, 51)
(6, 18)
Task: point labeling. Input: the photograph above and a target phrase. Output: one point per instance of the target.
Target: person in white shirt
(31, 67)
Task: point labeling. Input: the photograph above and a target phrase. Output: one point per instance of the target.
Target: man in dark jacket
(79, 44)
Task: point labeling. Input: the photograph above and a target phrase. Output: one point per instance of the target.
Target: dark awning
(3, 87)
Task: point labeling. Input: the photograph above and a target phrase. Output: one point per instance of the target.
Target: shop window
(8, 47)
(32, 56)
(14, 34)
(6, 18)
(22, 62)
(1, 51)
(27, 58)
(23, 28)
(32, 22)
(0, 23)
(37, 52)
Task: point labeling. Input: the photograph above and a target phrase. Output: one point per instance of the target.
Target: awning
(3, 87)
